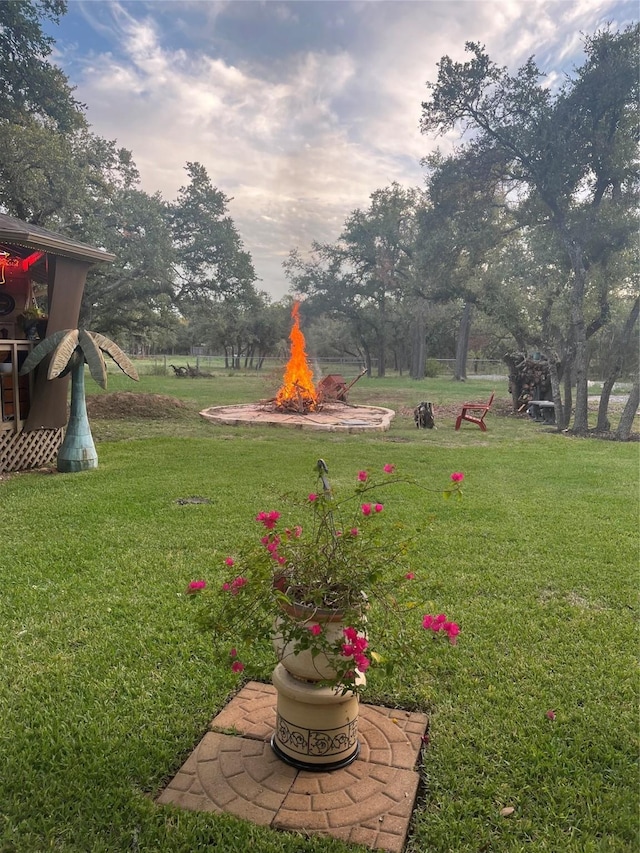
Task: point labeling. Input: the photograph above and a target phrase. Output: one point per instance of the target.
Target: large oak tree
(569, 159)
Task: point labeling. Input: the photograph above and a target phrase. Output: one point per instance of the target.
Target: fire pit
(300, 404)
(334, 417)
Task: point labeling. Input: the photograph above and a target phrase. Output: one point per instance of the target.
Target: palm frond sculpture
(71, 349)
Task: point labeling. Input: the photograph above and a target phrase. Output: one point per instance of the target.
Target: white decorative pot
(316, 727)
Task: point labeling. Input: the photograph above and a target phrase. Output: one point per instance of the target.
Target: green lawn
(105, 685)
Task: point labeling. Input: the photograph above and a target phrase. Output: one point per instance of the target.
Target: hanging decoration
(4, 257)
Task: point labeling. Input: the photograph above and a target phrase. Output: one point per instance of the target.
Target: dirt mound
(122, 405)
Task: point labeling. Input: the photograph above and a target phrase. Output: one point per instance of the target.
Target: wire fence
(321, 367)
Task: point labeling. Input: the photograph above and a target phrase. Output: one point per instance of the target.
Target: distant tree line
(523, 239)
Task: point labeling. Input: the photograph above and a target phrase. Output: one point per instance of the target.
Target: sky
(298, 110)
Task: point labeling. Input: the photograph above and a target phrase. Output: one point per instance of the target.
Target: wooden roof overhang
(23, 239)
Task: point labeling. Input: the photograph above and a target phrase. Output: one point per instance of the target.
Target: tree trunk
(603, 424)
(561, 420)
(78, 452)
(568, 395)
(463, 344)
(419, 348)
(367, 358)
(382, 340)
(626, 421)
(382, 369)
(579, 343)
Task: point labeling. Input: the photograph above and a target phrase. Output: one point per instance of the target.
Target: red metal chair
(477, 410)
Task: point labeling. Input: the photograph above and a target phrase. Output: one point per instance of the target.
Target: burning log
(297, 403)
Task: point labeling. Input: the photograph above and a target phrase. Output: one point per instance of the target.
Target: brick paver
(234, 770)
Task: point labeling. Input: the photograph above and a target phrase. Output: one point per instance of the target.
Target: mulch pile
(122, 405)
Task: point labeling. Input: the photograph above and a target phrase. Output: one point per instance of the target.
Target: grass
(105, 686)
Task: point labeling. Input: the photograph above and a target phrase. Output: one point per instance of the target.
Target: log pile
(300, 402)
(529, 379)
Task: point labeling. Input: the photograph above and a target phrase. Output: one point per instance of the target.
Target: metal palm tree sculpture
(71, 349)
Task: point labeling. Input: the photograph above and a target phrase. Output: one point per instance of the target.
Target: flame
(297, 391)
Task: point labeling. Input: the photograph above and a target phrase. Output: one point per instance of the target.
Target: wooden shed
(37, 266)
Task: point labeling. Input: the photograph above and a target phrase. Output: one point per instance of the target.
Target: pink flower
(360, 644)
(389, 469)
(235, 586)
(297, 531)
(355, 645)
(195, 586)
(313, 497)
(457, 476)
(315, 629)
(354, 531)
(229, 561)
(366, 509)
(233, 653)
(427, 621)
(551, 715)
(362, 476)
(453, 630)
(410, 576)
(269, 519)
(438, 622)
(378, 507)
(237, 666)
(362, 662)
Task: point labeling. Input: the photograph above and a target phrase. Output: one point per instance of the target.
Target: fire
(297, 393)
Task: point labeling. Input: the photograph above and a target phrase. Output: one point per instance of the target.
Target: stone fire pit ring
(333, 417)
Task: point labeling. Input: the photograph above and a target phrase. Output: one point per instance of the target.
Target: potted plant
(334, 596)
(34, 323)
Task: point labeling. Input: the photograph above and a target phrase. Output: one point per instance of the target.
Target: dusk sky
(298, 110)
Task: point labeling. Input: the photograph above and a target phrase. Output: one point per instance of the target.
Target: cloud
(299, 111)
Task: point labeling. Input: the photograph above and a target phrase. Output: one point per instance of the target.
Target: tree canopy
(567, 160)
